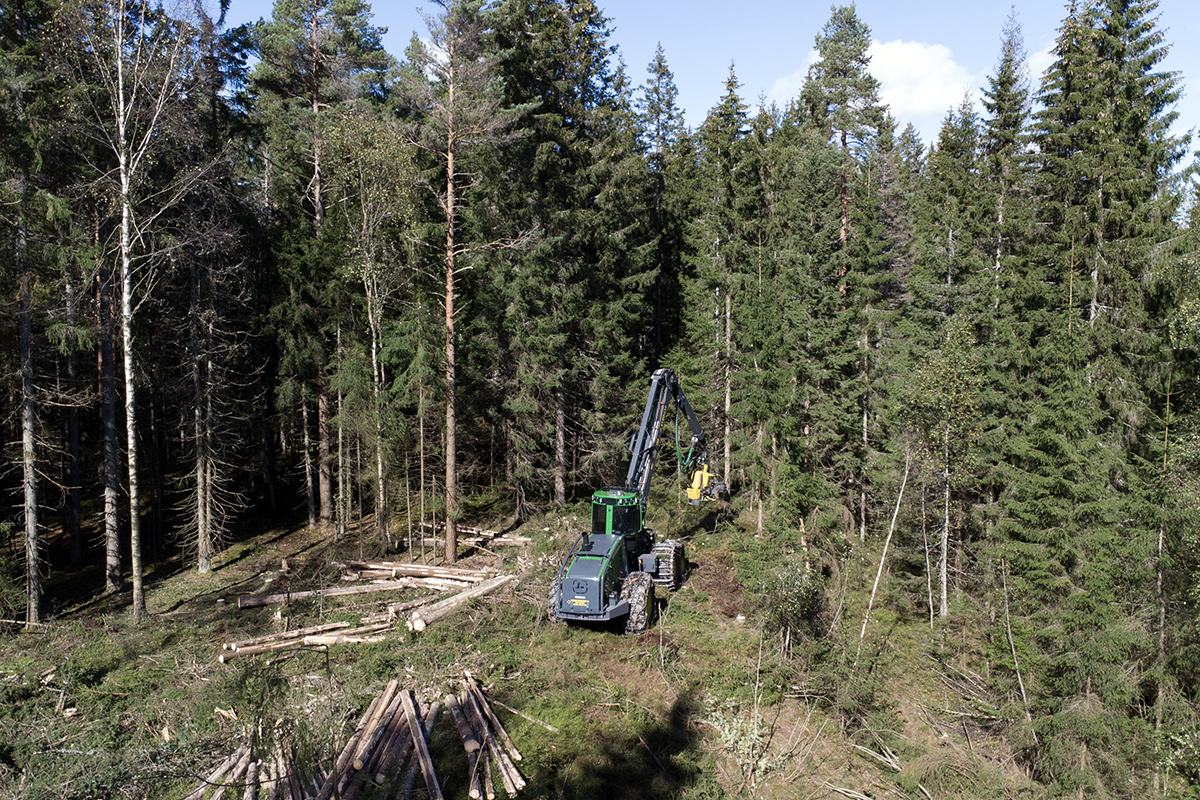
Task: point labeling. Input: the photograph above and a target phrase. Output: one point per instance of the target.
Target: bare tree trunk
(882, 558)
(451, 398)
(944, 609)
(560, 449)
(108, 413)
(309, 477)
(374, 314)
(33, 561)
(324, 465)
(343, 500)
(200, 443)
(266, 454)
(131, 458)
(71, 516)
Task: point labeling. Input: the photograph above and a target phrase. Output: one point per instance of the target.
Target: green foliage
(794, 601)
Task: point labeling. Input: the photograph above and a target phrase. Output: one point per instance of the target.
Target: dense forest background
(276, 268)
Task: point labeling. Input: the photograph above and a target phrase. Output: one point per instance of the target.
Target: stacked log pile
(475, 537)
(332, 633)
(420, 613)
(486, 743)
(393, 728)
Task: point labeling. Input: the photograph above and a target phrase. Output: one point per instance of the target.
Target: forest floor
(707, 703)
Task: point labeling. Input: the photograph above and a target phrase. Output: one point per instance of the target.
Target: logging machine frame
(611, 572)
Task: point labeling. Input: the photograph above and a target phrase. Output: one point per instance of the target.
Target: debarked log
(333, 591)
(422, 618)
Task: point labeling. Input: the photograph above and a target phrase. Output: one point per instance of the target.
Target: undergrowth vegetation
(759, 680)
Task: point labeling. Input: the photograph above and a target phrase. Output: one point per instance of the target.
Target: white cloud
(1038, 64)
(918, 80)
(788, 87)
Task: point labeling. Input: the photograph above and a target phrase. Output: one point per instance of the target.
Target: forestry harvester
(611, 572)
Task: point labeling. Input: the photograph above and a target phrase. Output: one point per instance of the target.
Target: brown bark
(285, 597)
(108, 416)
(492, 719)
(377, 706)
(218, 774)
(298, 633)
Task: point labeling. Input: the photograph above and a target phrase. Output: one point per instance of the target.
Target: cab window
(626, 519)
(599, 518)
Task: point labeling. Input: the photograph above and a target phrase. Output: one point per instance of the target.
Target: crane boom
(644, 444)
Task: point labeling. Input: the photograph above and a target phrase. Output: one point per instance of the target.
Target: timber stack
(395, 729)
(486, 743)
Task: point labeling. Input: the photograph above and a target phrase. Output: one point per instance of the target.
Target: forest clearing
(704, 704)
(290, 323)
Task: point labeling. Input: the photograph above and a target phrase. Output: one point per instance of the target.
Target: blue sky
(927, 55)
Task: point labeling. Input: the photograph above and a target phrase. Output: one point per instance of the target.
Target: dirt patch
(714, 575)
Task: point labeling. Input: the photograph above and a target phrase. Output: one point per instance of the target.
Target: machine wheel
(638, 590)
(670, 563)
(552, 599)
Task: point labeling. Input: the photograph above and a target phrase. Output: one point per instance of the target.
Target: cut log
(421, 618)
(470, 744)
(327, 639)
(367, 743)
(251, 791)
(238, 770)
(334, 591)
(481, 541)
(372, 737)
(360, 635)
(420, 751)
(410, 775)
(509, 774)
(276, 637)
(402, 569)
(217, 774)
(241, 652)
(339, 766)
(489, 787)
(491, 717)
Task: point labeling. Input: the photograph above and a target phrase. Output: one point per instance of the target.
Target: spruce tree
(315, 56)
(570, 310)
(662, 131)
(719, 256)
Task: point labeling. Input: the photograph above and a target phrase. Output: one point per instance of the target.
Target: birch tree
(136, 58)
(374, 174)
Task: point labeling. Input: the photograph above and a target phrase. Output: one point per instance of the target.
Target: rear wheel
(638, 591)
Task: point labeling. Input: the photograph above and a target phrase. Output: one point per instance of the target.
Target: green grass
(707, 704)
